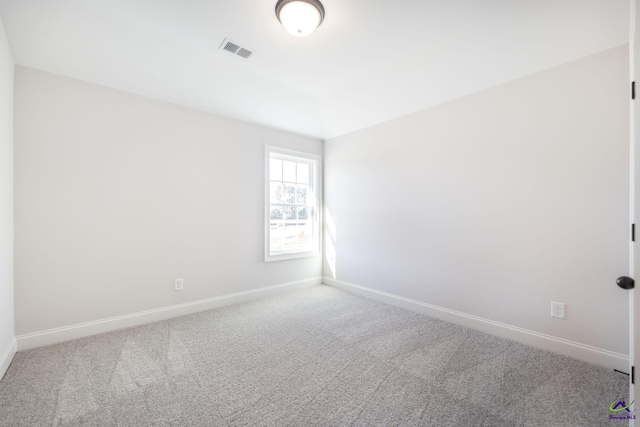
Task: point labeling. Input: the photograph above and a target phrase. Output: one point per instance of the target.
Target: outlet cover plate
(557, 310)
(178, 284)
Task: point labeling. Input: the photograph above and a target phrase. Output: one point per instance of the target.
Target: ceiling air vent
(244, 53)
(235, 49)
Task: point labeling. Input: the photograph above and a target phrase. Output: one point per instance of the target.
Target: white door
(634, 303)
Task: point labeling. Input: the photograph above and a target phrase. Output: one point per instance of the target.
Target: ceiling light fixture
(300, 17)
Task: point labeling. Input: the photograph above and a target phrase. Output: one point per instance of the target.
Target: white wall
(116, 195)
(487, 208)
(7, 340)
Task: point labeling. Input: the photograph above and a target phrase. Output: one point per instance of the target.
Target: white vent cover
(235, 49)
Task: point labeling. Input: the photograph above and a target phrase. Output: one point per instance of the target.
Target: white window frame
(316, 211)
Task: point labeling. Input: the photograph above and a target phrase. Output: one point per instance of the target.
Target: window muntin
(292, 205)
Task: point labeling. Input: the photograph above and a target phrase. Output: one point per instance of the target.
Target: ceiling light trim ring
(314, 3)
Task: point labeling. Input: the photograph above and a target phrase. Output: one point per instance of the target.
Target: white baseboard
(66, 333)
(569, 348)
(7, 356)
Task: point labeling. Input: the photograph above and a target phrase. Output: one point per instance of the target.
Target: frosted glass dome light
(300, 17)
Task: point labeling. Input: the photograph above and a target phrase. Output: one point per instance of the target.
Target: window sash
(292, 236)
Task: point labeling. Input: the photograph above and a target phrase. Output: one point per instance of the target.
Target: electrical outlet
(178, 284)
(557, 309)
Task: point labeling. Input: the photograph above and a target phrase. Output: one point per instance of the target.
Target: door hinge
(633, 90)
(633, 375)
(633, 232)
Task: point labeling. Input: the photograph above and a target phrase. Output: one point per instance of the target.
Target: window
(292, 205)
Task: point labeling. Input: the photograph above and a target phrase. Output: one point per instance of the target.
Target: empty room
(318, 213)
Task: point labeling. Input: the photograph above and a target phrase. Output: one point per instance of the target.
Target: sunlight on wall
(330, 242)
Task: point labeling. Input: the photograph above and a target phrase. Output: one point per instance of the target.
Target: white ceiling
(370, 60)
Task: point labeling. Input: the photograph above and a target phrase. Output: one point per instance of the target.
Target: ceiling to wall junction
(370, 61)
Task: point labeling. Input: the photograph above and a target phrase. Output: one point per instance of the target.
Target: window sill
(290, 255)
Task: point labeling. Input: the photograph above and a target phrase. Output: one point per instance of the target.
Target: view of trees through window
(291, 205)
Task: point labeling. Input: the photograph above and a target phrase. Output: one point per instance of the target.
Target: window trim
(316, 185)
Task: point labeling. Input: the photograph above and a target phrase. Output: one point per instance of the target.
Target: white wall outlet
(178, 284)
(557, 309)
